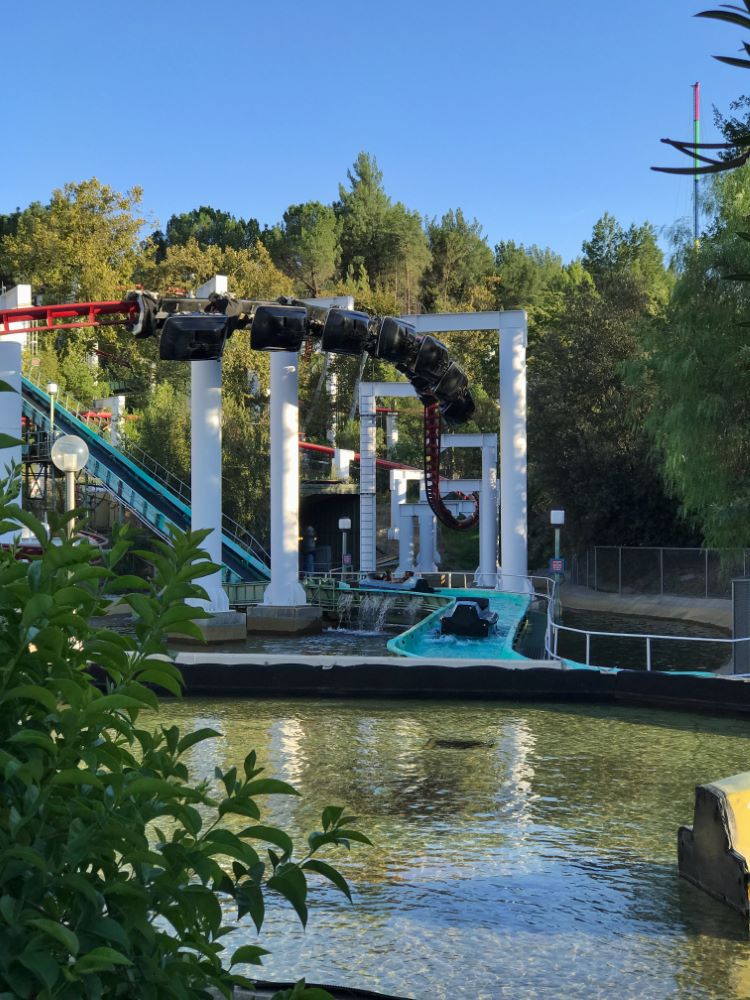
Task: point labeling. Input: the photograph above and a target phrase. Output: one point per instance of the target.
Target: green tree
(306, 245)
(614, 253)
(251, 273)
(589, 451)
(382, 239)
(83, 245)
(698, 363)
(461, 260)
(363, 210)
(209, 227)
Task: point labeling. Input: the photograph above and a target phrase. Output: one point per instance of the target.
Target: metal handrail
(160, 472)
(554, 628)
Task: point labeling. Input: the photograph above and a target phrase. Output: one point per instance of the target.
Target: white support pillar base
(284, 590)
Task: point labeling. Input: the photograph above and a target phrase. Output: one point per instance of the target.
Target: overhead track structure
(197, 329)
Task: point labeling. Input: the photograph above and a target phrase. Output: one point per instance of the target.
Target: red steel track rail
(68, 316)
(432, 436)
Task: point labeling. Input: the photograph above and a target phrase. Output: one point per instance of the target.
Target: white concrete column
(367, 479)
(513, 456)
(205, 459)
(342, 459)
(391, 431)
(427, 533)
(405, 543)
(284, 590)
(116, 407)
(205, 470)
(487, 572)
(398, 496)
(11, 345)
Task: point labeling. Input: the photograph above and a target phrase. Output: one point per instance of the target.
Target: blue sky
(533, 117)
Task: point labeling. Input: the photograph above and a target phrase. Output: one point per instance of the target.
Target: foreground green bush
(114, 864)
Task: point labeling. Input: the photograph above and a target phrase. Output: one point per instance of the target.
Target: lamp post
(345, 524)
(49, 487)
(557, 520)
(51, 392)
(69, 454)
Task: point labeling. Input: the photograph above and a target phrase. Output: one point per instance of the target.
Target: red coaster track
(86, 313)
(432, 434)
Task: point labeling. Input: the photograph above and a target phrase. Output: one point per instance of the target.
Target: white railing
(554, 629)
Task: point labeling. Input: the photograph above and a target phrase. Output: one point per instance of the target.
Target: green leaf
(331, 816)
(190, 739)
(27, 854)
(733, 61)
(249, 764)
(119, 584)
(8, 441)
(249, 899)
(100, 958)
(151, 786)
(249, 954)
(110, 703)
(76, 776)
(63, 935)
(43, 966)
(238, 807)
(269, 786)
(6, 386)
(354, 835)
(728, 16)
(272, 835)
(289, 882)
(33, 524)
(33, 692)
(160, 678)
(332, 874)
(41, 606)
(34, 738)
(142, 606)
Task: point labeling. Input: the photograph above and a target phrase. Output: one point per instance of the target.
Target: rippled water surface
(519, 851)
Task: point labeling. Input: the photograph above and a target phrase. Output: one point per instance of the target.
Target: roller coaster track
(432, 439)
(153, 494)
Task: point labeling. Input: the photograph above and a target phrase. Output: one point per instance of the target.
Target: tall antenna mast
(696, 140)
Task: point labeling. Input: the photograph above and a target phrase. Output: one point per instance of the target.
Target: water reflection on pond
(519, 851)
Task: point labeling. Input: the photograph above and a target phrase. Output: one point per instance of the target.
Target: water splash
(344, 610)
(412, 609)
(374, 610)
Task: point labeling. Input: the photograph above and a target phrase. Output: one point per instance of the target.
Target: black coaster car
(469, 617)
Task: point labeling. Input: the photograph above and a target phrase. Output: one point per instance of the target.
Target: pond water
(329, 642)
(520, 851)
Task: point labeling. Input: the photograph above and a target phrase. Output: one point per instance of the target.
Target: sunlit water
(519, 851)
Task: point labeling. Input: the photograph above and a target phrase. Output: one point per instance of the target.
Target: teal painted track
(148, 499)
(425, 639)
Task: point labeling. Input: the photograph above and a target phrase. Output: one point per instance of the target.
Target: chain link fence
(620, 569)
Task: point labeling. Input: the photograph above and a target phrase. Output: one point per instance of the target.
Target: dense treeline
(634, 367)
